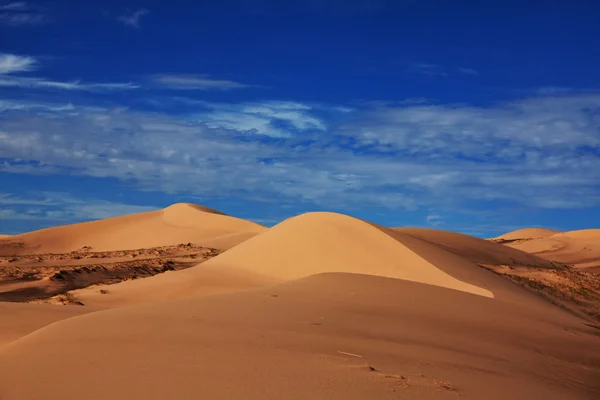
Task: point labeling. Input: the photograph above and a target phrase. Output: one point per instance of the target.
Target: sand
(580, 248)
(179, 223)
(321, 306)
(528, 233)
(328, 336)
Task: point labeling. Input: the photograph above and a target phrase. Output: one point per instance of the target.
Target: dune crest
(528, 233)
(327, 242)
(179, 223)
(580, 248)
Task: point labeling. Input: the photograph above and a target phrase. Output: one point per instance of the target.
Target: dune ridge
(179, 223)
(321, 242)
(580, 248)
(528, 233)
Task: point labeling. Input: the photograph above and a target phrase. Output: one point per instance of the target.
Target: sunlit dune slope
(18, 319)
(179, 223)
(327, 336)
(578, 248)
(326, 242)
(528, 233)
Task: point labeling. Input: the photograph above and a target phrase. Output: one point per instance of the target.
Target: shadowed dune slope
(327, 336)
(578, 248)
(474, 249)
(179, 223)
(528, 233)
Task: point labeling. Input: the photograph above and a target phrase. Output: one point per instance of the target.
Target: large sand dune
(327, 336)
(321, 306)
(326, 242)
(179, 223)
(579, 248)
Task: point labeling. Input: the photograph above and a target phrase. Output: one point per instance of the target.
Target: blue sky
(474, 116)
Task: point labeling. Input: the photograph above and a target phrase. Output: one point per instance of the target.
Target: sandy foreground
(321, 306)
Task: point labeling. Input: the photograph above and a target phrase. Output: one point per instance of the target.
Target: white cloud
(40, 83)
(434, 219)
(133, 19)
(16, 6)
(21, 13)
(11, 63)
(262, 118)
(535, 152)
(197, 82)
(62, 207)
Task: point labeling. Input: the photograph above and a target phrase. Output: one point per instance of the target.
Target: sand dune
(528, 233)
(580, 248)
(326, 242)
(328, 336)
(179, 223)
(4, 236)
(321, 306)
(475, 249)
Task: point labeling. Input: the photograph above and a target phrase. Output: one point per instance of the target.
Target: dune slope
(474, 249)
(328, 336)
(580, 249)
(179, 223)
(326, 242)
(528, 233)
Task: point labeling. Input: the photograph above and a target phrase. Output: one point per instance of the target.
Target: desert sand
(179, 223)
(580, 249)
(321, 306)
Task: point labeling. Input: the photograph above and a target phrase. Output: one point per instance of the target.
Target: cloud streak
(534, 152)
(133, 20)
(40, 83)
(196, 82)
(21, 13)
(11, 63)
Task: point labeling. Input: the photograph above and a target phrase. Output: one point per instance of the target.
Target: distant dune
(579, 248)
(528, 233)
(474, 249)
(179, 223)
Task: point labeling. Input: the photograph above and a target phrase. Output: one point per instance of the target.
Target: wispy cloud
(134, 18)
(22, 13)
(16, 6)
(439, 70)
(272, 118)
(60, 207)
(534, 152)
(468, 71)
(11, 63)
(434, 219)
(40, 83)
(428, 69)
(197, 82)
